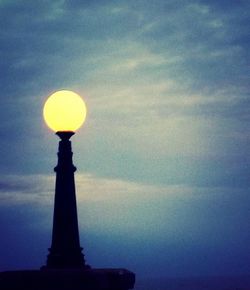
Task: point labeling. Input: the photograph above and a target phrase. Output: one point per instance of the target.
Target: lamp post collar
(65, 135)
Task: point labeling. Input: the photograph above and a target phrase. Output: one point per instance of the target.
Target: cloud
(26, 189)
(163, 82)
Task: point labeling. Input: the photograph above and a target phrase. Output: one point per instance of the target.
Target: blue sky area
(163, 158)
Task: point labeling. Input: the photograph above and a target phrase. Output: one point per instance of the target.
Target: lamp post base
(67, 279)
(70, 260)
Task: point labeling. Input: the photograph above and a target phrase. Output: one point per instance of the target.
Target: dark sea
(203, 283)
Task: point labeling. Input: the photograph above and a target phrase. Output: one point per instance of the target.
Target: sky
(163, 158)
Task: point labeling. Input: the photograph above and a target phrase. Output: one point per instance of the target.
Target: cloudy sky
(163, 158)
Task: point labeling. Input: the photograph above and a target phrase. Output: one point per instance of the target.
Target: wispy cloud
(163, 81)
(90, 188)
(21, 189)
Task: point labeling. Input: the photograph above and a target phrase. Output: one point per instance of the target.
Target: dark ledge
(67, 279)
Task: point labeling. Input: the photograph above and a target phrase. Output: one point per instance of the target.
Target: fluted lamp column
(65, 112)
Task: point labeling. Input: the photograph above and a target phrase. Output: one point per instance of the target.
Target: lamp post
(65, 112)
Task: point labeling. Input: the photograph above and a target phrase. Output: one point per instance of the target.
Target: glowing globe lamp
(64, 111)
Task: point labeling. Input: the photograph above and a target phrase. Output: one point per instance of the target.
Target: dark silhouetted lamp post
(65, 112)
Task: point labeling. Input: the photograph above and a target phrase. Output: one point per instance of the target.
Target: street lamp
(65, 112)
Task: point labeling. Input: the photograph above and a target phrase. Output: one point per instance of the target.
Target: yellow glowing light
(64, 111)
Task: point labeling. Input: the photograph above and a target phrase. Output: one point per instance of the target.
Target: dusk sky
(163, 159)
